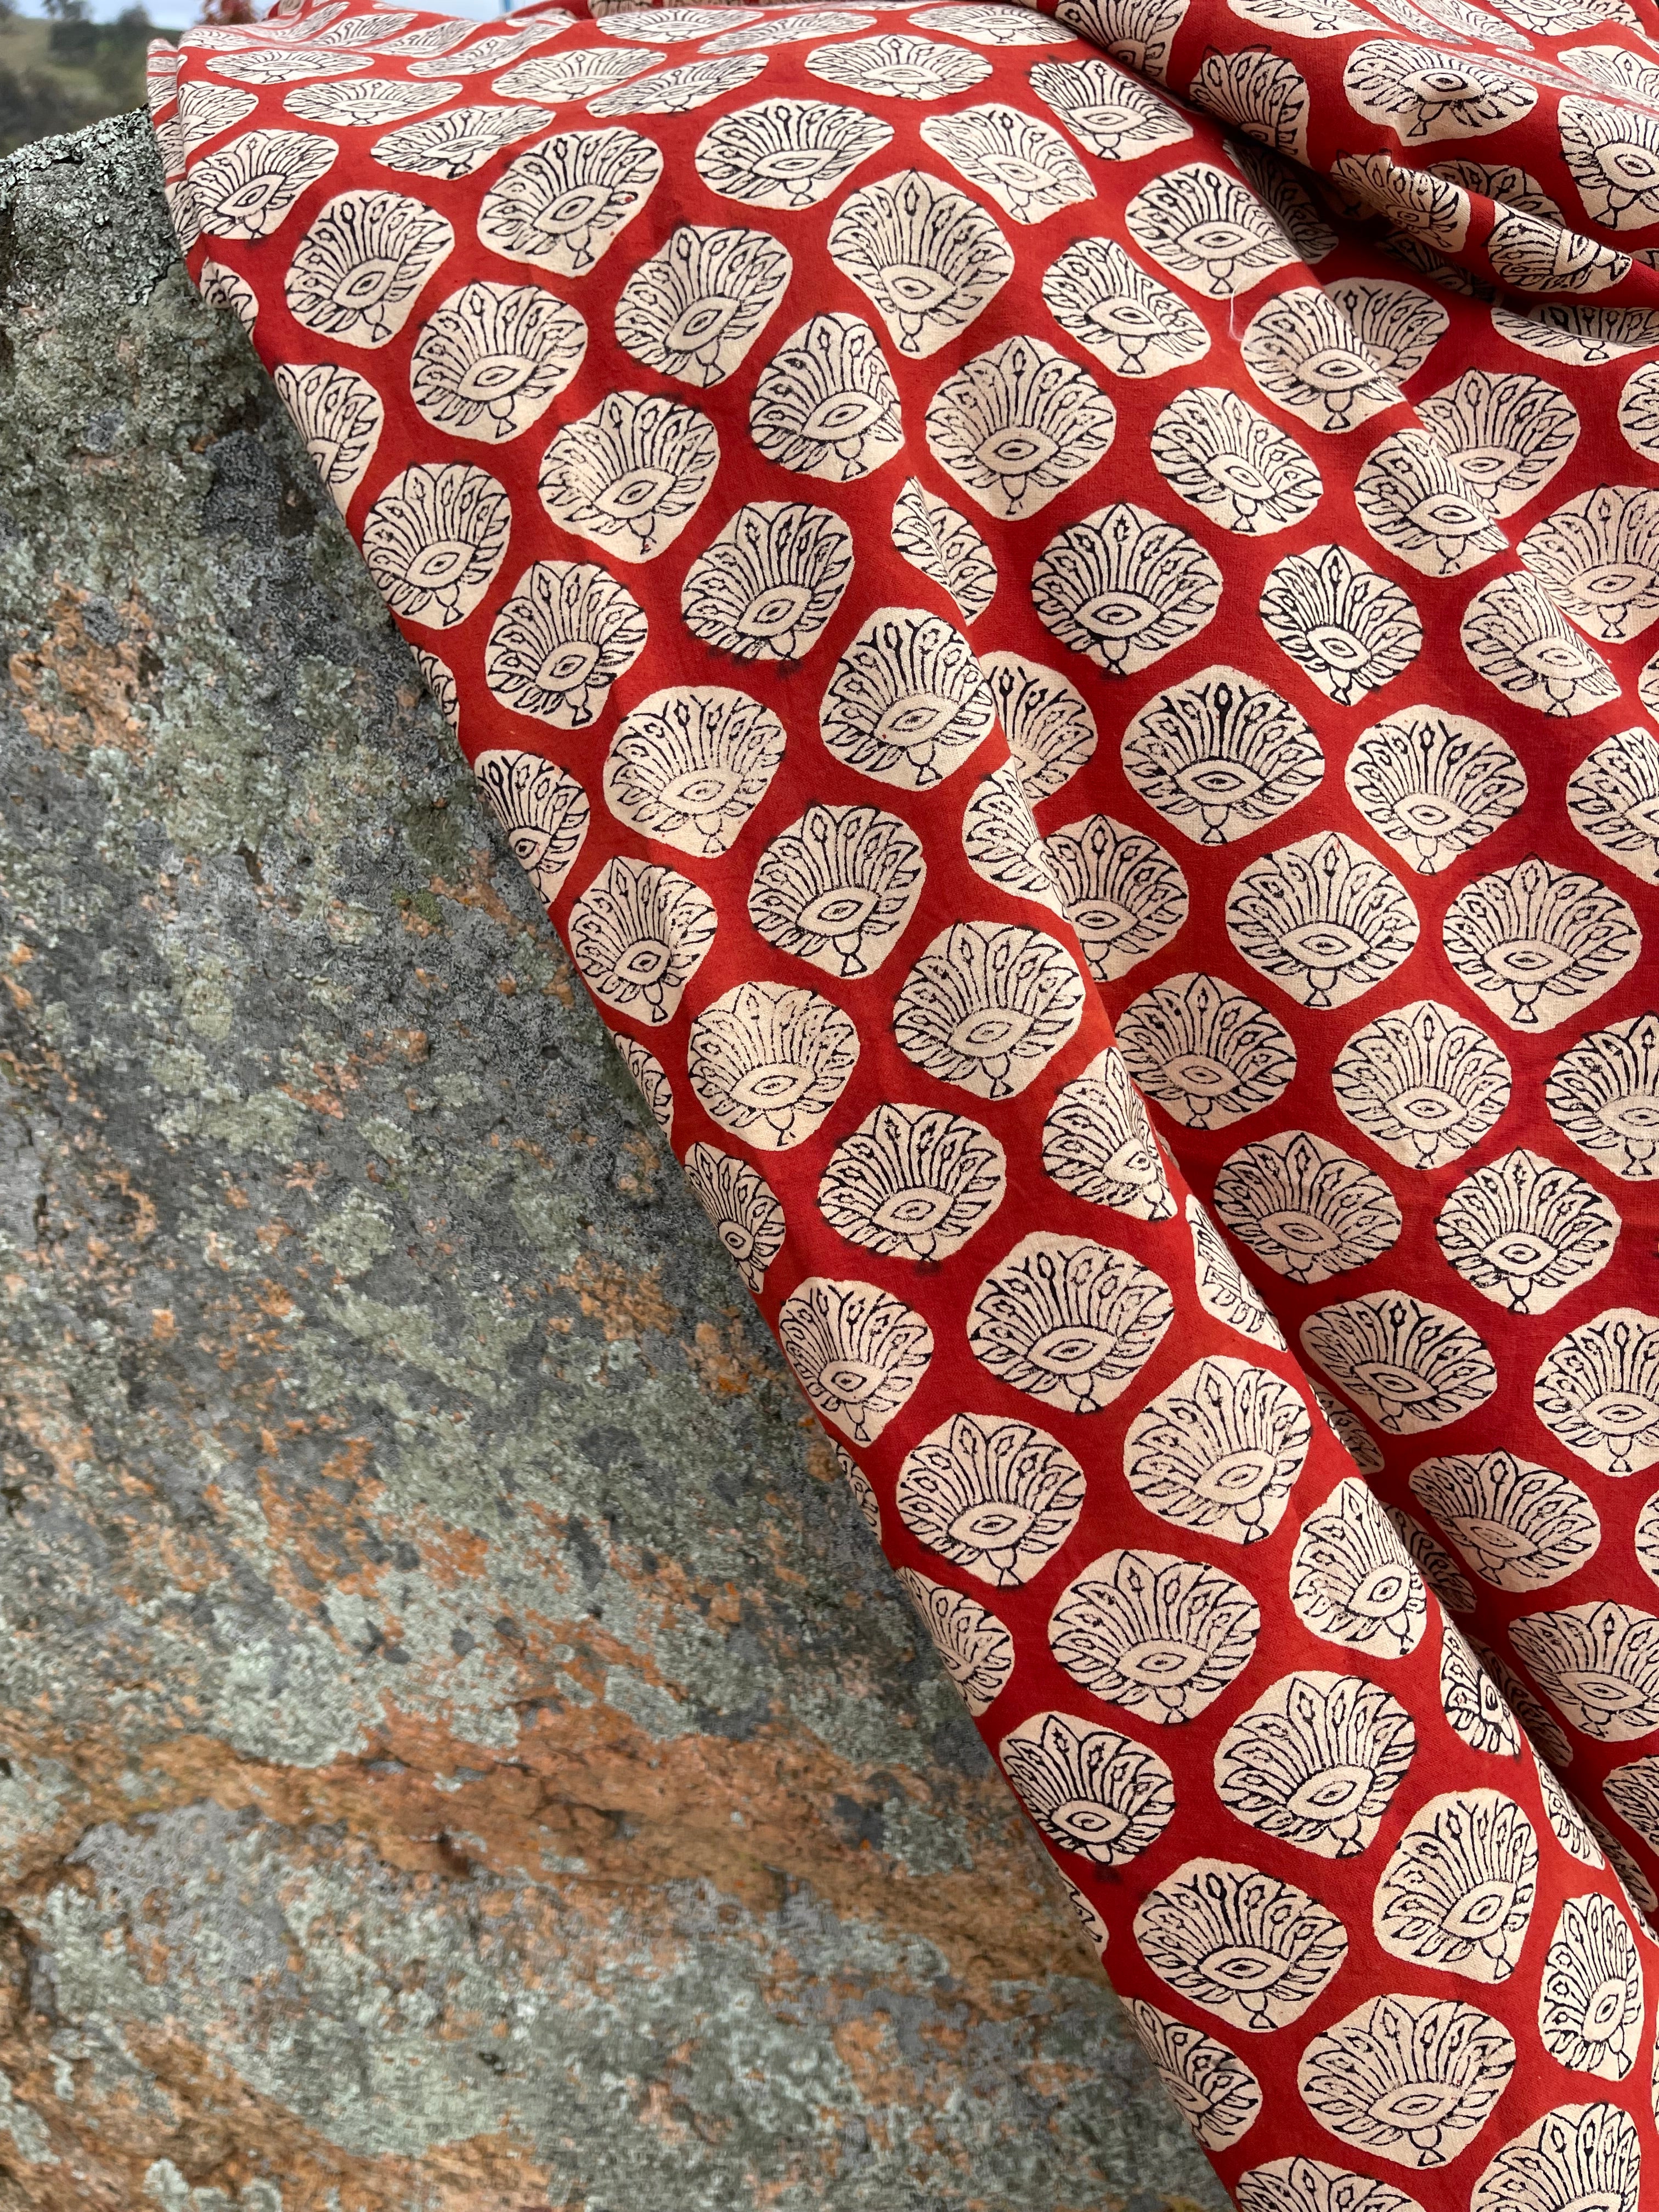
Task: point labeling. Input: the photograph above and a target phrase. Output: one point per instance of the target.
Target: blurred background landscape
(66, 68)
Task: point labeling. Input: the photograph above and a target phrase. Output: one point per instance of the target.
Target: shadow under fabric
(1055, 600)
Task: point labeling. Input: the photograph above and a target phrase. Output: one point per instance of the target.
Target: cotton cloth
(1057, 600)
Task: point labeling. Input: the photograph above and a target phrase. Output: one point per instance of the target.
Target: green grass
(61, 77)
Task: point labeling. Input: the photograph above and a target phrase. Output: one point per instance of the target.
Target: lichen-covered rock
(462, 1751)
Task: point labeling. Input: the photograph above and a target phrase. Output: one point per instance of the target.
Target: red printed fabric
(1058, 603)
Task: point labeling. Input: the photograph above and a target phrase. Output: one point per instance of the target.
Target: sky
(179, 15)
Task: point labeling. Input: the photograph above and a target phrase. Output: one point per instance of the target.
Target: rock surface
(462, 1751)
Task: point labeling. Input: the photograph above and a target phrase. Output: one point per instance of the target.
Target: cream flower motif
(1517, 639)
(1349, 1430)
(1475, 1707)
(1519, 1526)
(1098, 1145)
(747, 1217)
(769, 1061)
(1598, 558)
(1124, 587)
(1538, 943)
(998, 25)
(1316, 1762)
(1046, 719)
(433, 539)
(1604, 1096)
(1225, 1291)
(1067, 1321)
(639, 934)
(977, 1650)
(1307, 357)
(1541, 1727)
(1238, 468)
(491, 359)
(1304, 1207)
(1088, 1790)
(356, 273)
(1208, 229)
(1613, 152)
(1241, 1943)
(631, 473)
(1272, 177)
(1352, 1580)
(563, 203)
(997, 1498)
(907, 703)
(1423, 1082)
(223, 287)
(1524, 1231)
(1161, 1637)
(1508, 435)
(340, 416)
(1597, 1390)
(678, 28)
(457, 142)
(561, 642)
(1125, 319)
(787, 153)
(1529, 245)
(1258, 92)
(1573, 1831)
(1213, 2090)
(574, 76)
(1308, 2185)
(1220, 1450)
(1612, 797)
(693, 310)
(653, 1083)
(1590, 2002)
(1221, 754)
(1090, 1924)
(928, 258)
(1410, 2078)
(1000, 839)
(1398, 325)
(1458, 1892)
(1119, 888)
(440, 682)
(688, 767)
(988, 1006)
(1112, 115)
(860, 1487)
(1025, 165)
(913, 1183)
(1321, 919)
(1204, 1051)
(367, 103)
(893, 67)
(287, 64)
(1633, 1793)
(838, 887)
(1417, 503)
(1137, 33)
(858, 1353)
(1577, 2155)
(1411, 1366)
(1018, 425)
(1599, 1663)
(1426, 92)
(543, 812)
(1434, 784)
(250, 187)
(678, 91)
(945, 547)
(826, 405)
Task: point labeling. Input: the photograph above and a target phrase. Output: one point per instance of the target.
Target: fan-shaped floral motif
(205, 110)
(563, 204)
(913, 1183)
(766, 586)
(1398, 326)
(340, 416)
(1562, 330)
(1046, 719)
(1088, 1790)
(1162, 1636)
(1352, 1580)
(1599, 1662)
(1204, 1051)
(787, 153)
(1519, 1526)
(1125, 587)
(543, 812)
(1212, 2088)
(1349, 1430)
(945, 547)
(1067, 1321)
(1098, 1145)
(631, 474)
(1221, 754)
(1476, 1709)
(1316, 1762)
(1119, 888)
(858, 1352)
(1208, 229)
(1638, 412)
(223, 287)
(1241, 1943)
(690, 766)
(1109, 305)
(992, 26)
(574, 76)
(928, 258)
(1410, 2078)
(1573, 1831)
(678, 91)
(1322, 919)
(1000, 839)
(769, 1061)
(1225, 1291)
(976, 1650)
(786, 30)
(457, 142)
(1639, 1894)
(355, 273)
(1111, 115)
(1613, 153)
(431, 39)
(1220, 1450)
(826, 405)
(561, 642)
(494, 52)
(1259, 92)
(1597, 1390)
(1305, 1207)
(1612, 797)
(676, 28)
(1018, 425)
(1517, 639)
(288, 64)
(1541, 1727)
(747, 1217)
(1232, 463)
(1524, 1231)
(859, 1483)
(1598, 558)
(490, 360)
(654, 1087)
(997, 1498)
(1589, 2003)
(1422, 1083)
(837, 887)
(907, 703)
(1434, 784)
(434, 540)
(640, 933)
(891, 66)
(1024, 166)
(1307, 2184)
(1425, 92)
(1090, 1924)
(1538, 943)
(1604, 1095)
(365, 103)
(1458, 1892)
(1508, 435)
(1308, 358)
(1633, 1793)
(1577, 2155)
(1434, 1563)
(1417, 503)
(694, 309)
(1274, 180)
(1411, 1366)
(1347, 628)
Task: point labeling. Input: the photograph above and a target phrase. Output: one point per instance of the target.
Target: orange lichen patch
(75, 693)
(868, 2047)
(624, 1304)
(725, 1360)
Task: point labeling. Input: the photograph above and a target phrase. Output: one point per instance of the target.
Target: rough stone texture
(463, 1752)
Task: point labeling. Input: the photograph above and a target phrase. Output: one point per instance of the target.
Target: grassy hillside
(58, 76)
